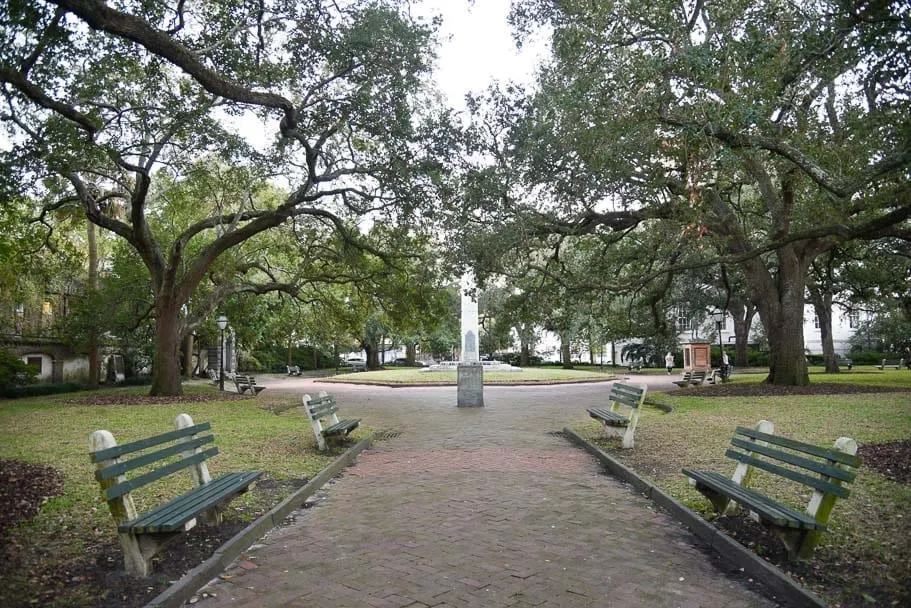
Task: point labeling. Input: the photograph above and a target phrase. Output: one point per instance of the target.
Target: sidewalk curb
(783, 586)
(194, 579)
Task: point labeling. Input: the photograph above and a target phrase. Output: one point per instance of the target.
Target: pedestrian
(669, 362)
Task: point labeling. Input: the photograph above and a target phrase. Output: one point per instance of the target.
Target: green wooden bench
(246, 384)
(684, 379)
(820, 469)
(697, 378)
(896, 363)
(322, 408)
(627, 396)
(293, 370)
(143, 535)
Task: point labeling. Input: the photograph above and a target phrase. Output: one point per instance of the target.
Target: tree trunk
(188, 356)
(822, 306)
(780, 301)
(524, 355)
(93, 354)
(411, 352)
(743, 322)
(373, 356)
(564, 352)
(166, 363)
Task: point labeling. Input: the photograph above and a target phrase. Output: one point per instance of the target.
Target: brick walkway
(480, 507)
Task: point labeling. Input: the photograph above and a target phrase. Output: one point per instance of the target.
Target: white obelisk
(470, 349)
(470, 374)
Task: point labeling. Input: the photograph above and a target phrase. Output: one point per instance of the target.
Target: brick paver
(480, 507)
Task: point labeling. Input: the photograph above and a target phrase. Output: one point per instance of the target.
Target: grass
(52, 432)
(868, 531)
(540, 375)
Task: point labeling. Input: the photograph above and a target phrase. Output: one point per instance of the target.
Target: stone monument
(470, 372)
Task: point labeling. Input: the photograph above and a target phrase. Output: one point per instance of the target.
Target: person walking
(669, 362)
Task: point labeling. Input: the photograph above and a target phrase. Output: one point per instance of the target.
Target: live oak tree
(776, 130)
(104, 101)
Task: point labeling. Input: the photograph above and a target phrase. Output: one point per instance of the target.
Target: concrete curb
(783, 586)
(192, 581)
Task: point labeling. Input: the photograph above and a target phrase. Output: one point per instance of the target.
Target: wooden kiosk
(697, 356)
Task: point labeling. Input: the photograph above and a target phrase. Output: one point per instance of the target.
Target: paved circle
(476, 507)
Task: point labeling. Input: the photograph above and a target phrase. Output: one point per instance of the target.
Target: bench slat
(806, 463)
(807, 480)
(148, 442)
(172, 515)
(142, 480)
(625, 394)
(608, 417)
(768, 509)
(343, 426)
(140, 461)
(799, 446)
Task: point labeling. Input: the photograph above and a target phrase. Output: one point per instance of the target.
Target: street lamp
(718, 316)
(222, 322)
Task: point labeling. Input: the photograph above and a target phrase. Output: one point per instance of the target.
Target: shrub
(14, 371)
(36, 390)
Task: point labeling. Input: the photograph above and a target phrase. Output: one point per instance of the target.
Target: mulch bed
(772, 390)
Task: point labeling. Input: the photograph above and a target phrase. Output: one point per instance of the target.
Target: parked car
(358, 363)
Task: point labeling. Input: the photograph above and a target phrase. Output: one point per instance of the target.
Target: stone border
(783, 586)
(192, 581)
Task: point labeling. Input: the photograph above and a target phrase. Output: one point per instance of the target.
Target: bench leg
(138, 551)
(795, 541)
(719, 502)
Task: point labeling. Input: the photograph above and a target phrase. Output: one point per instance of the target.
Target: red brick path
(477, 508)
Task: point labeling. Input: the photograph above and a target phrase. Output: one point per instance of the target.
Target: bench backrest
(186, 443)
(629, 395)
(698, 376)
(322, 406)
(822, 469)
(245, 380)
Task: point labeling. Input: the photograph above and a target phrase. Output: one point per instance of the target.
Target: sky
(477, 47)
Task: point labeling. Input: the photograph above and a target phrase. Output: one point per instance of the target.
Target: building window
(816, 321)
(683, 324)
(34, 362)
(854, 319)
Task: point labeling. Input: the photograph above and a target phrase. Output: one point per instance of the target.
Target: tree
(771, 130)
(160, 92)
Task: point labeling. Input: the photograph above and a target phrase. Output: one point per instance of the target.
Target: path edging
(771, 576)
(185, 587)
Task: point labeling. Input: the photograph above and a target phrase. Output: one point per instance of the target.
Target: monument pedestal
(470, 385)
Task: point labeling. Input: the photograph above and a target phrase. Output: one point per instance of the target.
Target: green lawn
(53, 431)
(412, 375)
(869, 530)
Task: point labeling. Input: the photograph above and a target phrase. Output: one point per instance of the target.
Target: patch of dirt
(122, 399)
(24, 487)
(771, 390)
(96, 576)
(856, 580)
(891, 459)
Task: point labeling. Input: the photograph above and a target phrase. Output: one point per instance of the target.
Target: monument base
(470, 385)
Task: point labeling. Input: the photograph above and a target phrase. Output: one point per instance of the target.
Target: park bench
(247, 383)
(627, 396)
(684, 380)
(697, 378)
(848, 363)
(323, 407)
(293, 370)
(634, 367)
(896, 363)
(713, 377)
(143, 535)
(213, 376)
(821, 469)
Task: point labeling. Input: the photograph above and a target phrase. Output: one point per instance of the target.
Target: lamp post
(718, 316)
(222, 322)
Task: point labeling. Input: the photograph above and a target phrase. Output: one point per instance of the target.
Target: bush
(37, 390)
(14, 371)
